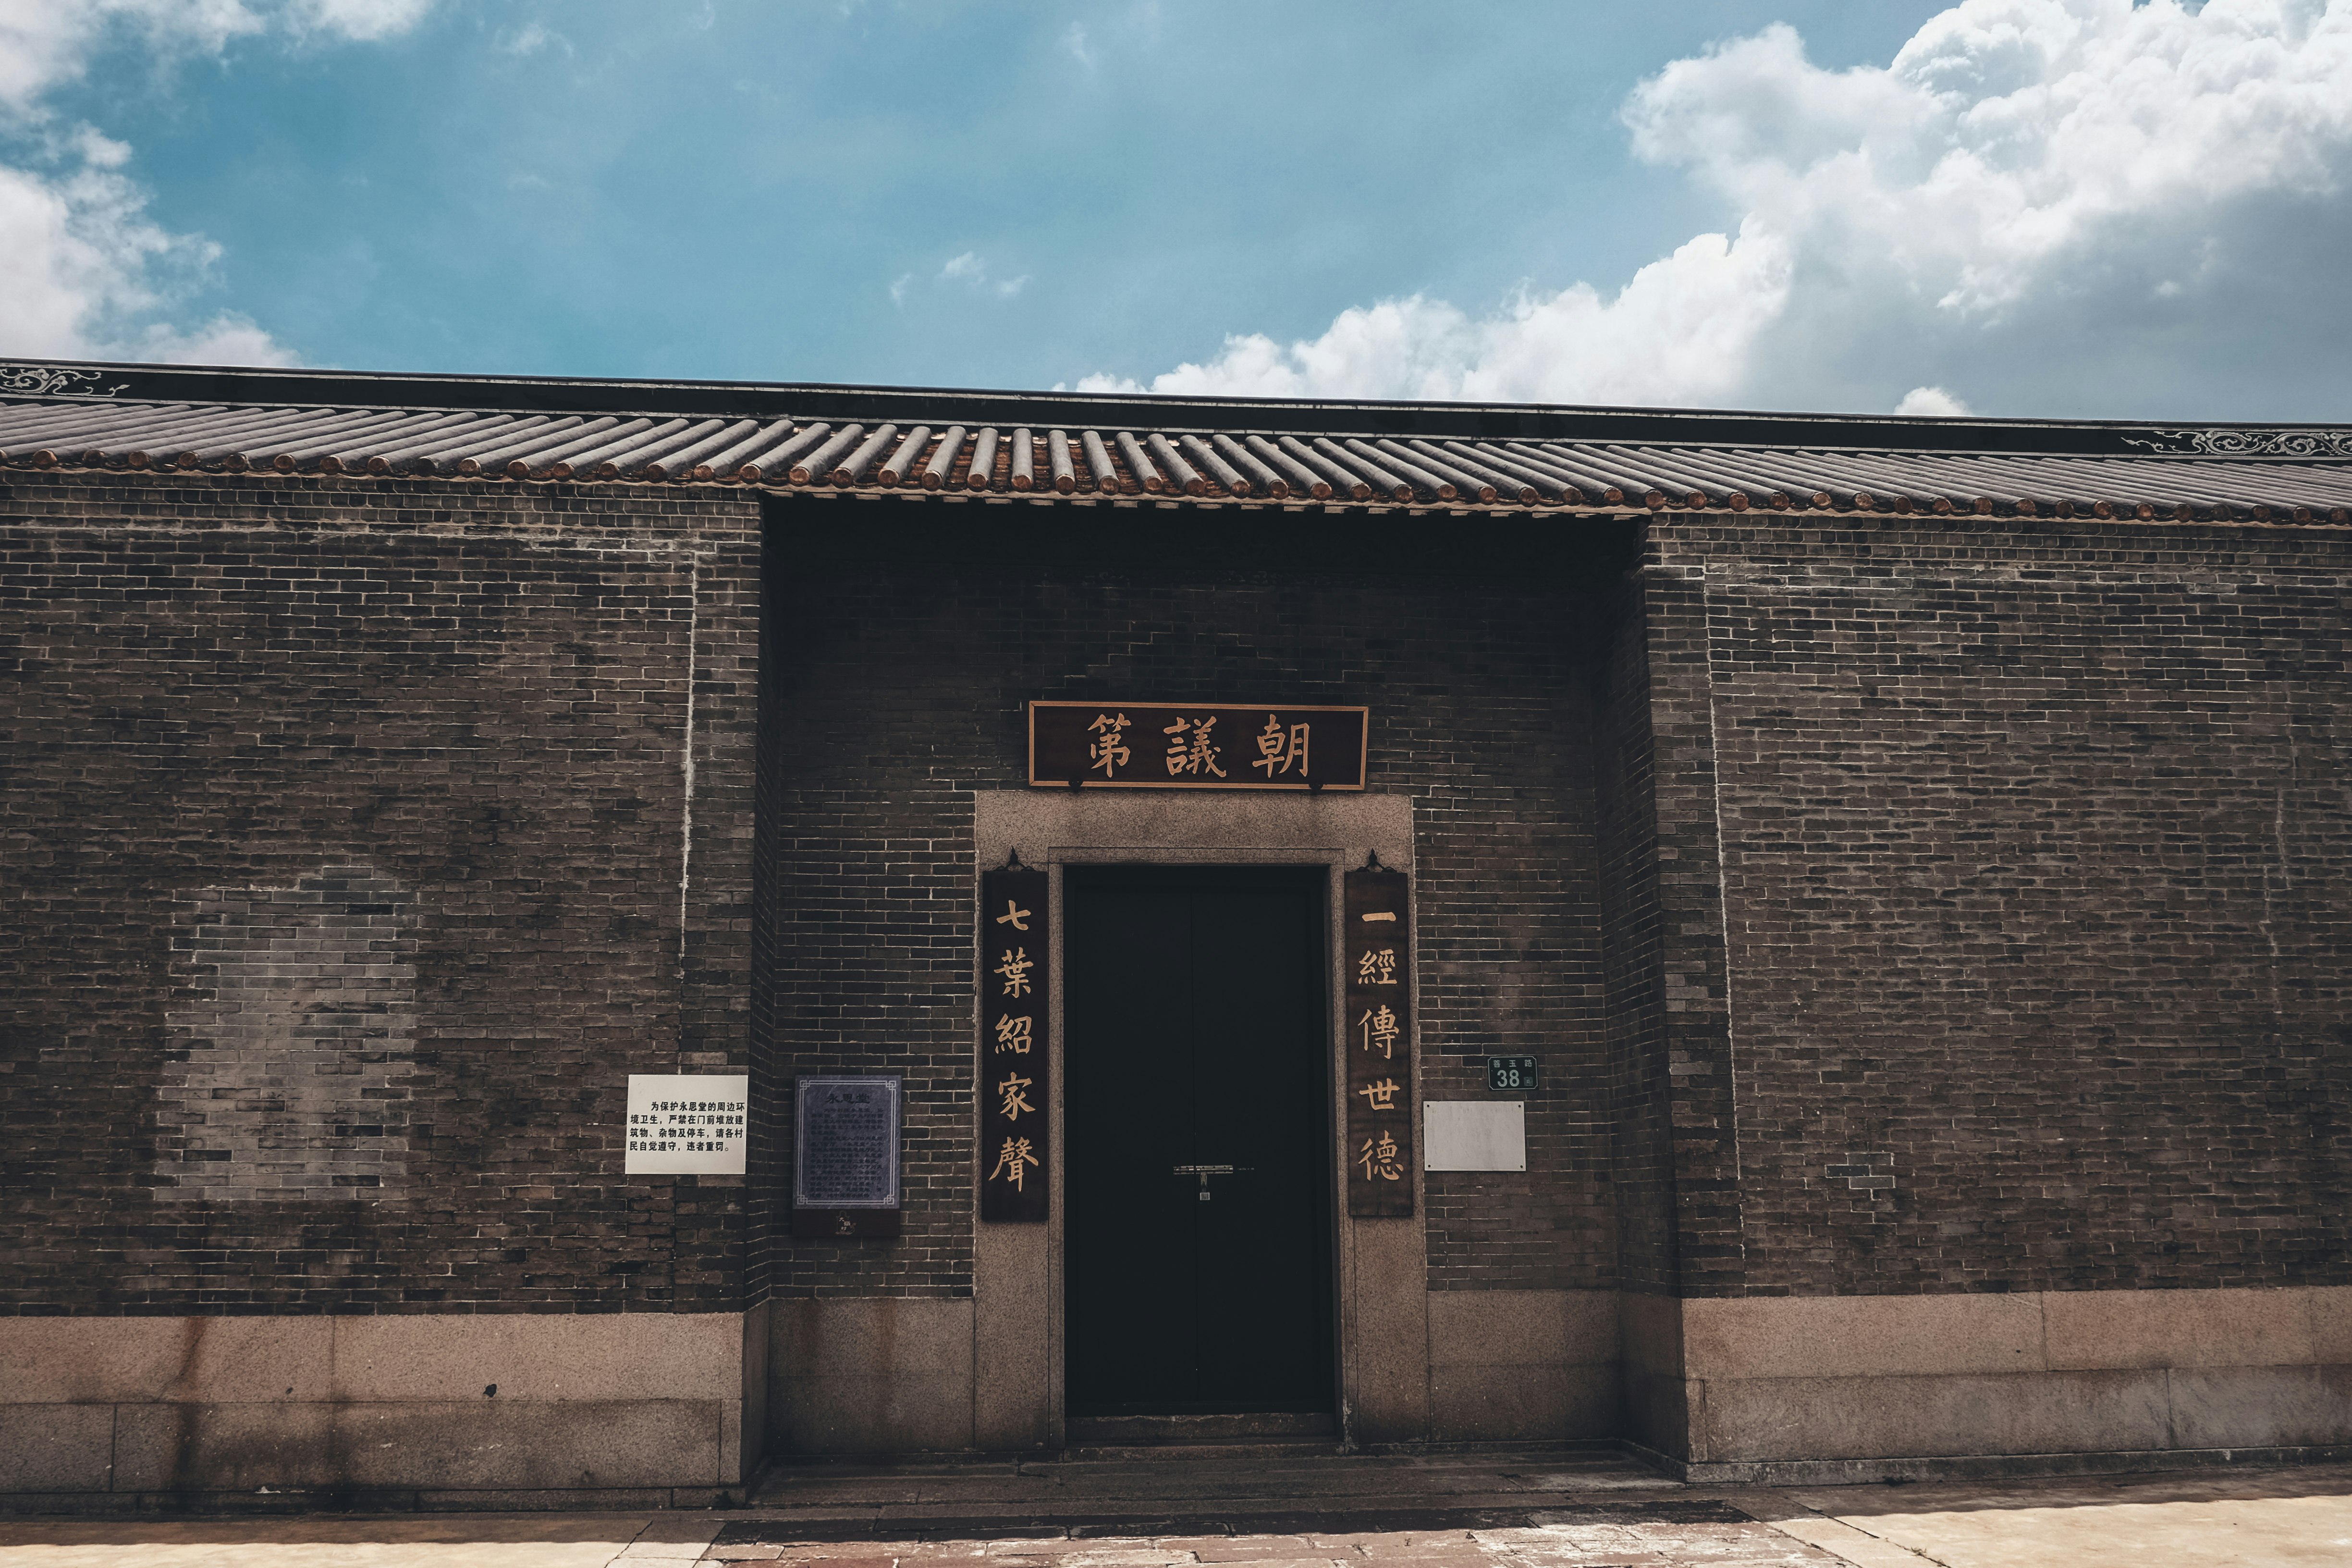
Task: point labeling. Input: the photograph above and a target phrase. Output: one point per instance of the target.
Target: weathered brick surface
(2034, 851)
(291, 1051)
(907, 639)
(1633, 943)
(1693, 989)
(1897, 905)
(261, 733)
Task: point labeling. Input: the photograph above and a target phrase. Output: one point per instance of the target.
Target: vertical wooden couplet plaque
(1014, 1149)
(1376, 1024)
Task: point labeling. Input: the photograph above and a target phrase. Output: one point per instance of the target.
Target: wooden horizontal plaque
(1172, 745)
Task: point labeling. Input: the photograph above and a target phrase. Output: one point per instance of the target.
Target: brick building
(1874, 915)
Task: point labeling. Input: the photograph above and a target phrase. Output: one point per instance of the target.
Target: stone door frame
(1381, 1268)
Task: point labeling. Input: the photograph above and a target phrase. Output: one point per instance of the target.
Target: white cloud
(98, 151)
(363, 21)
(1931, 403)
(2001, 206)
(84, 272)
(530, 38)
(45, 43)
(227, 339)
(65, 244)
(2007, 134)
(1124, 35)
(1680, 329)
(969, 268)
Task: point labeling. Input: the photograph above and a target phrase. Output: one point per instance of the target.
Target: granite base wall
(882, 1374)
(677, 1409)
(516, 1410)
(1733, 1386)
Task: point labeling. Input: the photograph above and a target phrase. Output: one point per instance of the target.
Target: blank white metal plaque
(1474, 1134)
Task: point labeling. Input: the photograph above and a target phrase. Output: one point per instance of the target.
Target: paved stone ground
(1533, 1510)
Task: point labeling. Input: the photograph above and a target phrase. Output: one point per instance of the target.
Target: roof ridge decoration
(2250, 443)
(50, 381)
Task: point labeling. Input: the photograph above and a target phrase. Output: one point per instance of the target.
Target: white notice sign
(688, 1123)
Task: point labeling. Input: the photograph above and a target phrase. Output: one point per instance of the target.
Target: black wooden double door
(1197, 1232)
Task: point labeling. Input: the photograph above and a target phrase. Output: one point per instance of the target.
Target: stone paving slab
(1484, 1478)
(1499, 1512)
(2210, 1518)
(1399, 1521)
(410, 1541)
(1738, 1543)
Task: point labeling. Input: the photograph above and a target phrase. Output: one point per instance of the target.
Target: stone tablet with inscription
(845, 1155)
(688, 1123)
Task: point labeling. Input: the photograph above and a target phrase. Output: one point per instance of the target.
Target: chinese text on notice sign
(688, 1123)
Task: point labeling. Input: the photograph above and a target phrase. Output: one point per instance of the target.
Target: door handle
(1205, 1171)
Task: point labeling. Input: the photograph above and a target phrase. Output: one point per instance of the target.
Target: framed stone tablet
(845, 1155)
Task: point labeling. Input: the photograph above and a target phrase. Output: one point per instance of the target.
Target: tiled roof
(1250, 455)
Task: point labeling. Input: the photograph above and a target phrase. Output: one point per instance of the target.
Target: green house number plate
(1512, 1072)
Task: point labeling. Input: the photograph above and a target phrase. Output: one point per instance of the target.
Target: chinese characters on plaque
(687, 1124)
(1013, 1073)
(1377, 1038)
(1131, 745)
(845, 1156)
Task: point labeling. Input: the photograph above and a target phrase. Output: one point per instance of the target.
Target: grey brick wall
(1898, 904)
(905, 640)
(345, 827)
(1634, 940)
(2034, 852)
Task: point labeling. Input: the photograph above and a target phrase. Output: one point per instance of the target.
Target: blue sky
(2032, 206)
